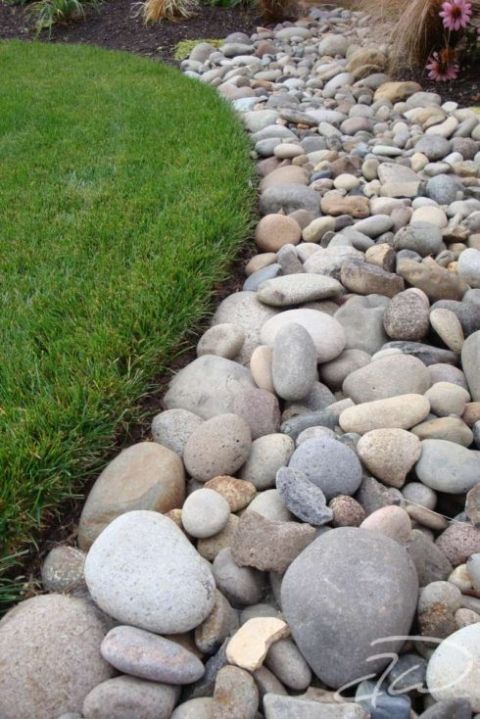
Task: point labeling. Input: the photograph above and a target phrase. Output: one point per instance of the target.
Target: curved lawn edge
(128, 192)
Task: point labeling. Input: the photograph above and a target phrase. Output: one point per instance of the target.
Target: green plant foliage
(126, 191)
(49, 12)
(185, 47)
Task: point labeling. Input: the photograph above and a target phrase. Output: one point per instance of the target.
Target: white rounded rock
(454, 668)
(205, 513)
(326, 332)
(144, 572)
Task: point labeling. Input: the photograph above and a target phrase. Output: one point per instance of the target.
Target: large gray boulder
(347, 589)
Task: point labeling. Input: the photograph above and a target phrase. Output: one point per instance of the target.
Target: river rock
(329, 464)
(204, 514)
(327, 334)
(224, 340)
(471, 363)
(62, 633)
(250, 644)
(143, 571)
(294, 362)
(62, 570)
(122, 696)
(144, 476)
(407, 316)
(147, 656)
(324, 572)
(447, 466)
(367, 279)
(453, 671)
(403, 411)
(297, 289)
(173, 427)
(238, 492)
(303, 498)
(362, 321)
(389, 454)
(274, 231)
(268, 454)
(421, 237)
(388, 376)
(220, 445)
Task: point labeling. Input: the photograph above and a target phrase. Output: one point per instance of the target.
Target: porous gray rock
(173, 427)
(303, 498)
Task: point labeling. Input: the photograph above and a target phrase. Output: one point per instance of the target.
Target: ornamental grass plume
(173, 10)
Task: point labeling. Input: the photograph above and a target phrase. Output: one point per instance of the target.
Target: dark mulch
(118, 25)
(465, 90)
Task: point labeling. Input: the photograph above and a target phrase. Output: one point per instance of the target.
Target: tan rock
(389, 454)
(210, 547)
(334, 203)
(275, 230)
(316, 229)
(176, 516)
(471, 413)
(250, 644)
(437, 282)
(144, 476)
(396, 91)
(403, 412)
(258, 262)
(366, 56)
(452, 429)
(382, 255)
(447, 326)
(238, 492)
(364, 278)
(284, 175)
(391, 521)
(261, 367)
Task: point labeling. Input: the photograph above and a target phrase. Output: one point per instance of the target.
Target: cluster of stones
(310, 502)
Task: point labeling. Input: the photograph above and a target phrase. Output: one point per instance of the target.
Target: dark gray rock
(295, 425)
(426, 353)
(431, 563)
(303, 498)
(328, 619)
(408, 674)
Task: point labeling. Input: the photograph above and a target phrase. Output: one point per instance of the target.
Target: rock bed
(311, 499)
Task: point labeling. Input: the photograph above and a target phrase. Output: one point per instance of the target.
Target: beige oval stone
(210, 547)
(391, 521)
(401, 412)
(250, 644)
(396, 91)
(261, 367)
(258, 262)
(453, 429)
(389, 454)
(275, 230)
(144, 476)
(447, 326)
(238, 492)
(284, 175)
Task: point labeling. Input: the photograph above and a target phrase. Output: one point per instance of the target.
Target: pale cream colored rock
(453, 429)
(382, 255)
(403, 412)
(250, 644)
(445, 128)
(447, 326)
(460, 577)
(418, 161)
(392, 521)
(261, 367)
(258, 262)
(287, 151)
(427, 517)
(389, 454)
(447, 399)
(429, 213)
(464, 617)
(317, 228)
(396, 91)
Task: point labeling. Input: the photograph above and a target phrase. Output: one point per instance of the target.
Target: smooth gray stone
(295, 425)
(444, 189)
(467, 311)
(448, 467)
(303, 498)
(434, 147)
(374, 495)
(123, 697)
(428, 354)
(430, 562)
(449, 709)
(381, 705)
(408, 674)
(253, 282)
(289, 198)
(281, 707)
(288, 665)
(471, 364)
(294, 362)
(320, 580)
(331, 466)
(476, 434)
(421, 237)
(362, 320)
(388, 376)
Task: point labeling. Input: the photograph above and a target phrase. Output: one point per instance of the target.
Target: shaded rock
(241, 585)
(294, 362)
(367, 279)
(471, 363)
(121, 696)
(62, 570)
(220, 624)
(362, 320)
(387, 377)
(430, 562)
(144, 476)
(173, 427)
(235, 695)
(267, 545)
(303, 498)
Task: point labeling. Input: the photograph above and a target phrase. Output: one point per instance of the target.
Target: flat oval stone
(224, 340)
(320, 580)
(387, 376)
(297, 289)
(220, 445)
(327, 334)
(329, 464)
(447, 466)
(144, 476)
(471, 362)
(123, 697)
(404, 412)
(453, 671)
(143, 571)
(148, 656)
(59, 632)
(294, 362)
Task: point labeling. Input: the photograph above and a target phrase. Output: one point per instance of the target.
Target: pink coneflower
(442, 66)
(456, 14)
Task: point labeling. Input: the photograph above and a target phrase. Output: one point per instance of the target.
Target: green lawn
(124, 194)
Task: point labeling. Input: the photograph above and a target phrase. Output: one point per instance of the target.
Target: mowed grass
(125, 191)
